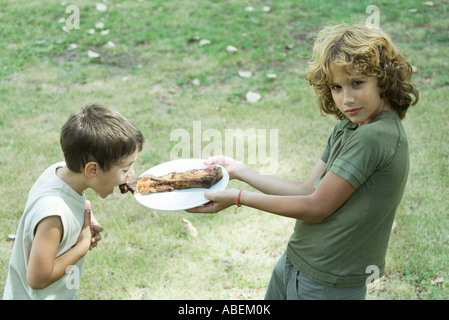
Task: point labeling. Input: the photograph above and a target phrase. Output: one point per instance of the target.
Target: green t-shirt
(350, 245)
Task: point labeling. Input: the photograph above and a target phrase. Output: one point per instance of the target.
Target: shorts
(287, 283)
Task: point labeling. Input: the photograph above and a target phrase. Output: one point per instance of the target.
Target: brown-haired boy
(57, 228)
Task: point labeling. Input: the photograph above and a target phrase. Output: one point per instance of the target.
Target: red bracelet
(238, 204)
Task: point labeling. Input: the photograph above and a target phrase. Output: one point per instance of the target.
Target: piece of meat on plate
(196, 178)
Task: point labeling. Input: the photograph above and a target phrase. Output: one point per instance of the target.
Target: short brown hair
(96, 133)
(359, 49)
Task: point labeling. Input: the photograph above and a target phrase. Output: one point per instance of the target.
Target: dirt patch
(119, 63)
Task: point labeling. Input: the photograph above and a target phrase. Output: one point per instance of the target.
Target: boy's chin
(106, 194)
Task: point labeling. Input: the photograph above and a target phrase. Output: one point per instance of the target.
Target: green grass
(148, 77)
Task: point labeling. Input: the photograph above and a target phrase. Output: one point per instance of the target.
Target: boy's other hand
(95, 227)
(85, 236)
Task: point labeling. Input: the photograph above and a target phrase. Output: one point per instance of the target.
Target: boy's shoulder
(383, 119)
(50, 194)
(384, 132)
(50, 171)
(342, 125)
(48, 182)
(386, 121)
(387, 125)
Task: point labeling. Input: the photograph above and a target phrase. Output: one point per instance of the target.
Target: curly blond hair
(366, 51)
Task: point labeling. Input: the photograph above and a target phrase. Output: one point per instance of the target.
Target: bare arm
(43, 266)
(332, 192)
(266, 183)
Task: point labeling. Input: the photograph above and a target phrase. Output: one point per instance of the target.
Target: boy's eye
(335, 87)
(357, 83)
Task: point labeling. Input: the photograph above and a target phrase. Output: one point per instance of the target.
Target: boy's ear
(90, 170)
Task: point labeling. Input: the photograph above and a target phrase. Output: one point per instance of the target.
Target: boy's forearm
(59, 269)
(271, 184)
(332, 192)
(69, 258)
(298, 207)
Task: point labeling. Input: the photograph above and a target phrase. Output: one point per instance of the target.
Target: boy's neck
(73, 179)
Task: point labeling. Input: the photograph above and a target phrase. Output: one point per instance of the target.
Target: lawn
(149, 61)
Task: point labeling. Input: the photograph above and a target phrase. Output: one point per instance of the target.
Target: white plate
(179, 199)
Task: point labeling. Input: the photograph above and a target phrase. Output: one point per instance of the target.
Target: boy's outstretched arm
(269, 184)
(332, 192)
(43, 266)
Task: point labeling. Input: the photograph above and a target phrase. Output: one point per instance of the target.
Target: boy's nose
(348, 98)
(131, 172)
